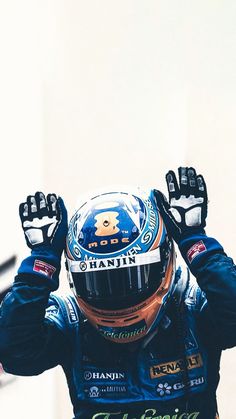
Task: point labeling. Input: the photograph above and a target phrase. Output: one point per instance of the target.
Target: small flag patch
(195, 250)
(44, 268)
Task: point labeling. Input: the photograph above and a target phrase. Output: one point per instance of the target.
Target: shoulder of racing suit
(64, 311)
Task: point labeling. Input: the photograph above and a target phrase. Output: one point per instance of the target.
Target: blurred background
(102, 92)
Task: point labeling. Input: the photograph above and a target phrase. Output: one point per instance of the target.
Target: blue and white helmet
(121, 263)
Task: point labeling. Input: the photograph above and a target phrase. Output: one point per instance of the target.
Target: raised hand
(44, 221)
(185, 213)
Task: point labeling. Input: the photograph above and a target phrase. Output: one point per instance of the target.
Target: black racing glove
(44, 222)
(185, 214)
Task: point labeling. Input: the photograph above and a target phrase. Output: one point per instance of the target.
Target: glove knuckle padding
(172, 184)
(33, 205)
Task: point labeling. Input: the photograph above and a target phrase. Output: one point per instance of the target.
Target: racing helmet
(121, 263)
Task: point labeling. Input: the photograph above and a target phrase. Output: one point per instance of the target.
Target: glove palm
(44, 222)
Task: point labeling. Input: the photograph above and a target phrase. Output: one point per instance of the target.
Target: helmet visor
(122, 285)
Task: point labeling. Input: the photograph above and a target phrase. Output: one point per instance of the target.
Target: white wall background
(101, 92)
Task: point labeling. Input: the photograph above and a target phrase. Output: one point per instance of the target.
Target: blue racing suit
(171, 374)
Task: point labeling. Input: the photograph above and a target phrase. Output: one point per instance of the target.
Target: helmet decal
(106, 223)
(124, 333)
(114, 224)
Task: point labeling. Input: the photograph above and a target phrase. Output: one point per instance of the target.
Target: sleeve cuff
(43, 264)
(196, 248)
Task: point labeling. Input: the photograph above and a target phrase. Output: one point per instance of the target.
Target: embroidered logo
(44, 268)
(163, 389)
(147, 414)
(174, 367)
(195, 250)
(105, 375)
(100, 391)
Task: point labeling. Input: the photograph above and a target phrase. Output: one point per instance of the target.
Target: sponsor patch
(195, 250)
(121, 333)
(108, 375)
(116, 262)
(71, 310)
(174, 367)
(106, 224)
(98, 391)
(44, 268)
(147, 414)
(166, 389)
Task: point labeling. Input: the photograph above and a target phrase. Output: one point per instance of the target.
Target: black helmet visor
(119, 287)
